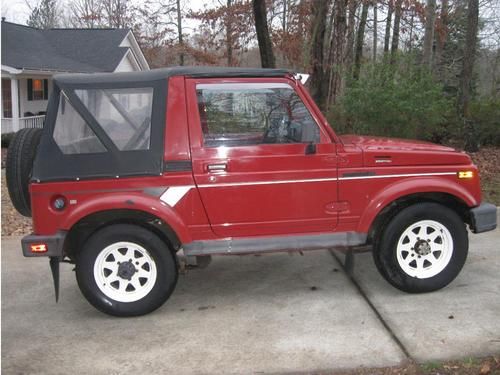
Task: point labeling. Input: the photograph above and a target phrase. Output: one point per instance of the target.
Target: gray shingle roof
(63, 50)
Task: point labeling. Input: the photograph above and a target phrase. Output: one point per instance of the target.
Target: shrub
(486, 119)
(6, 138)
(399, 100)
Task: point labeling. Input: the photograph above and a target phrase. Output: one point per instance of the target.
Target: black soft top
(51, 164)
(165, 73)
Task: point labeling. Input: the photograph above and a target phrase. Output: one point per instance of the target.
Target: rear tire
(19, 165)
(126, 270)
(422, 249)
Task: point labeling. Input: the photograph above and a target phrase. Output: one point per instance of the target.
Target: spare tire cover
(19, 164)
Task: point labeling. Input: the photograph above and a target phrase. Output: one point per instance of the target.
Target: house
(30, 57)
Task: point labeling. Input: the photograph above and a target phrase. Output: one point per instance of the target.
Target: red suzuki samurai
(131, 168)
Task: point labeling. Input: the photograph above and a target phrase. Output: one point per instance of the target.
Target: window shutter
(45, 89)
(30, 89)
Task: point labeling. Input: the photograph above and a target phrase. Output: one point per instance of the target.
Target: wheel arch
(81, 231)
(387, 212)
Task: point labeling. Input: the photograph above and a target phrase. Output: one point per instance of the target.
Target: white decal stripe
(174, 194)
(326, 179)
(399, 175)
(268, 182)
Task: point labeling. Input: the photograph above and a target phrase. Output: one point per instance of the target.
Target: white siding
(127, 64)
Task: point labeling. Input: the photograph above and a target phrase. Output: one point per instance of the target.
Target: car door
(261, 162)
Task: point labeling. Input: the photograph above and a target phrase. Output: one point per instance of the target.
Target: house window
(6, 98)
(38, 89)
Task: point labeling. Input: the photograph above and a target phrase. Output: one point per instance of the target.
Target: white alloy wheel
(424, 249)
(125, 271)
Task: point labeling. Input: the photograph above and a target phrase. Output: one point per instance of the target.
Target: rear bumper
(53, 243)
(483, 218)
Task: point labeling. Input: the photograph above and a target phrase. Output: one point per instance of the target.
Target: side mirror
(310, 148)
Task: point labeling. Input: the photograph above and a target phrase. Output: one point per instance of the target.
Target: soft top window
(102, 129)
(78, 138)
(124, 114)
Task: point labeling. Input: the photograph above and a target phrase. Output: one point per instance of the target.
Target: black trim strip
(178, 166)
(358, 174)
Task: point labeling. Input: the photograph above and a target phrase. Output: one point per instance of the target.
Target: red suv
(130, 168)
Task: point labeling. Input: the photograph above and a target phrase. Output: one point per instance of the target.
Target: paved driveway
(252, 314)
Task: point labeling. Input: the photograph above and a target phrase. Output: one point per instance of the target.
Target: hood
(394, 151)
(383, 143)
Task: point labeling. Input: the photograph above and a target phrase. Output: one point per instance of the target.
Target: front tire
(422, 249)
(126, 270)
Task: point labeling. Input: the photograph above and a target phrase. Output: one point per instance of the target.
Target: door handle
(216, 167)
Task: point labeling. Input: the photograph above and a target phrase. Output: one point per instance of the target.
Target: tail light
(39, 248)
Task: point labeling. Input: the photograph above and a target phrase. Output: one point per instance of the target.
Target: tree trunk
(283, 21)
(410, 37)
(302, 26)
(387, 36)
(337, 58)
(441, 37)
(229, 36)
(395, 33)
(319, 11)
(471, 144)
(430, 16)
(360, 38)
(351, 27)
(179, 31)
(375, 36)
(264, 39)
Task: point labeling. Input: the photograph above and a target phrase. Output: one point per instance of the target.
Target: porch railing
(9, 124)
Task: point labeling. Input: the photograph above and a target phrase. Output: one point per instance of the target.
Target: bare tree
(44, 15)
(283, 20)
(387, 36)
(360, 38)
(352, 5)
(319, 11)
(471, 144)
(441, 36)
(229, 36)
(395, 32)
(85, 13)
(430, 16)
(264, 39)
(375, 36)
(179, 32)
(336, 56)
(115, 13)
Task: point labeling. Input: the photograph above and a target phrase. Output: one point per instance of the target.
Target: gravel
(13, 224)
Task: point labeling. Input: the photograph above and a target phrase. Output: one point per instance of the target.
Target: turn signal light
(38, 248)
(465, 174)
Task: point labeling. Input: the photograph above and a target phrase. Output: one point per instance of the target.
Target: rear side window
(240, 114)
(124, 114)
(71, 133)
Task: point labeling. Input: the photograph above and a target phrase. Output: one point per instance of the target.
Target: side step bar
(278, 243)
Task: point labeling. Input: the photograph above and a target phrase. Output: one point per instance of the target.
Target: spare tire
(19, 165)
